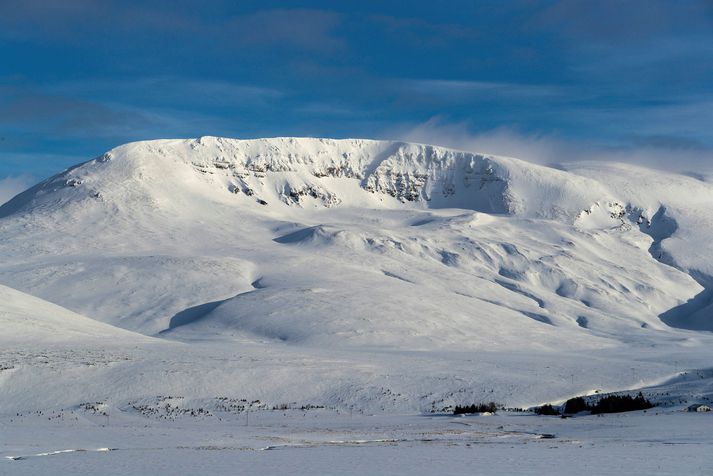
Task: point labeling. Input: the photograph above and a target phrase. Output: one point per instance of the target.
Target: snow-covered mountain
(336, 265)
(314, 172)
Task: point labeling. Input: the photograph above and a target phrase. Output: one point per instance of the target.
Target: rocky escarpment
(406, 172)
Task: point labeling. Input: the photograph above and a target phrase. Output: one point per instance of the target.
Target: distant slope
(27, 319)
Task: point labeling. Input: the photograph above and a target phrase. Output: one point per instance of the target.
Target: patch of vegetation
(490, 407)
(546, 409)
(96, 408)
(576, 405)
(621, 403)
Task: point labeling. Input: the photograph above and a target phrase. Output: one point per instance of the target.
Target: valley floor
(660, 441)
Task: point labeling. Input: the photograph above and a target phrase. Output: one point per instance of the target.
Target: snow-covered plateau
(343, 294)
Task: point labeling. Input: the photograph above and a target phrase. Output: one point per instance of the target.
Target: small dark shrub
(546, 409)
(491, 407)
(621, 403)
(576, 405)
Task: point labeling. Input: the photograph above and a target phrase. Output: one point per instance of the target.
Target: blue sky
(546, 80)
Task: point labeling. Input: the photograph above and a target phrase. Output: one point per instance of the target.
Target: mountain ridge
(428, 175)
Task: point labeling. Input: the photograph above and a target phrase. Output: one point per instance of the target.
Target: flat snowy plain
(320, 306)
(325, 442)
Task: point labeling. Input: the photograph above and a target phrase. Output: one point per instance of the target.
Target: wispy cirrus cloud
(79, 20)
(459, 89)
(128, 109)
(616, 23)
(24, 110)
(87, 22)
(299, 28)
(167, 90)
(421, 32)
(633, 48)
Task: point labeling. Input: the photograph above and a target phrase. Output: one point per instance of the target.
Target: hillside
(358, 254)
(28, 320)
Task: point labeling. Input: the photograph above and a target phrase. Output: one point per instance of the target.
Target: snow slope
(326, 268)
(28, 320)
(677, 212)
